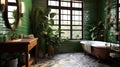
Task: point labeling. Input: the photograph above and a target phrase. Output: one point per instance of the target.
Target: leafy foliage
(96, 31)
(42, 22)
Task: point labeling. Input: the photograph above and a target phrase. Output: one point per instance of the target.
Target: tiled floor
(74, 60)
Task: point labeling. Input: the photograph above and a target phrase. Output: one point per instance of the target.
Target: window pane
(77, 27)
(65, 27)
(66, 0)
(65, 12)
(12, 1)
(55, 11)
(77, 12)
(53, 3)
(119, 14)
(12, 8)
(65, 35)
(77, 5)
(77, 17)
(65, 22)
(56, 22)
(55, 27)
(119, 8)
(10, 15)
(76, 34)
(65, 4)
(65, 17)
(77, 22)
(11, 21)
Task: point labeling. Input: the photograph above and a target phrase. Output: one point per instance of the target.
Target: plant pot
(40, 54)
(50, 50)
(13, 63)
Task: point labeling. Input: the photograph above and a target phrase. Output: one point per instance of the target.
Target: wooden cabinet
(21, 45)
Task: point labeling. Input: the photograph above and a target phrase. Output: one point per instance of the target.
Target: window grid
(69, 18)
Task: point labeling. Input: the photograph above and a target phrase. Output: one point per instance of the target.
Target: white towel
(87, 45)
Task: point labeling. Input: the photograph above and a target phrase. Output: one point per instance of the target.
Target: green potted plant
(52, 42)
(41, 21)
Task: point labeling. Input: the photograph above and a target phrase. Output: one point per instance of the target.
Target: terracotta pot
(50, 50)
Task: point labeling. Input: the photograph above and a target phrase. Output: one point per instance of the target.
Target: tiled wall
(3, 29)
(90, 15)
(24, 23)
(94, 11)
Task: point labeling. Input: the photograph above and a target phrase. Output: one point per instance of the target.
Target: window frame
(59, 7)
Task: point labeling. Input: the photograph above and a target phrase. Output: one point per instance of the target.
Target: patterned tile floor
(74, 60)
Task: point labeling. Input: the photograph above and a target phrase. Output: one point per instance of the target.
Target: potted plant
(52, 42)
(41, 20)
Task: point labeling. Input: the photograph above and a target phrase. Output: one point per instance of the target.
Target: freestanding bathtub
(99, 49)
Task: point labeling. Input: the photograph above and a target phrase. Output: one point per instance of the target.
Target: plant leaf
(52, 15)
(51, 22)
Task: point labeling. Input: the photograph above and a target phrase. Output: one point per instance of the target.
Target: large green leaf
(51, 22)
(52, 15)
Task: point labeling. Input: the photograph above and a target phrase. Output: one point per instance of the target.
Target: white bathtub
(99, 49)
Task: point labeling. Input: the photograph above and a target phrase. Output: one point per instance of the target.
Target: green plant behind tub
(96, 30)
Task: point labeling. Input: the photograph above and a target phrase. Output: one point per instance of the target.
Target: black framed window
(69, 17)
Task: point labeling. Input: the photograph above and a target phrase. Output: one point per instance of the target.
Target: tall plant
(42, 20)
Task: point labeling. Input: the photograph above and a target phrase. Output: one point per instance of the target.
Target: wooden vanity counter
(20, 45)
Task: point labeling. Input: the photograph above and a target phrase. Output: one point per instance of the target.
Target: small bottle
(5, 38)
